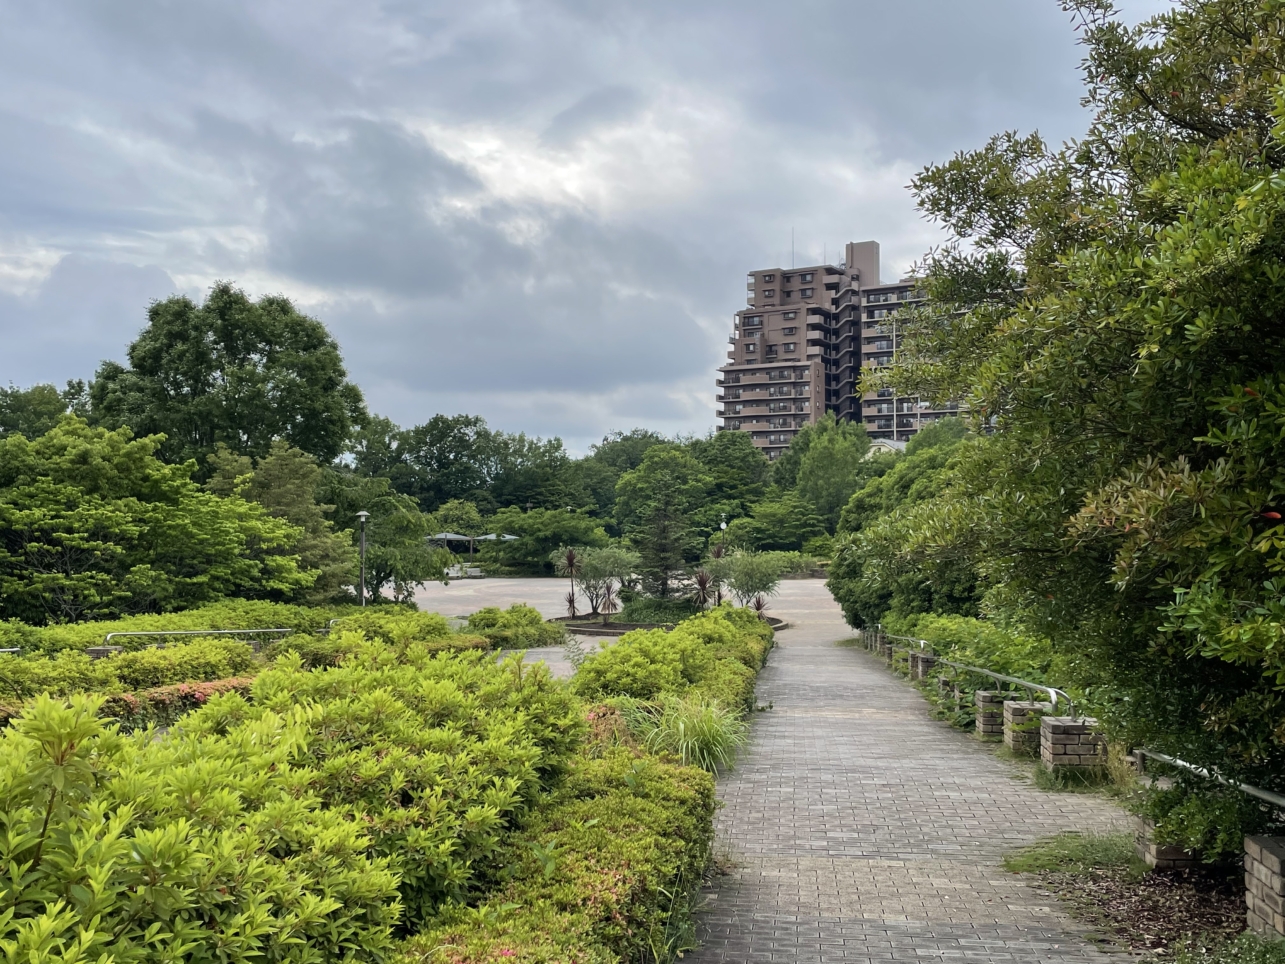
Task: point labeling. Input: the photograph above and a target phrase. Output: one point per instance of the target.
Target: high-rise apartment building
(799, 348)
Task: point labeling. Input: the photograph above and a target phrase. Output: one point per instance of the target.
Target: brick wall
(1071, 742)
(1265, 885)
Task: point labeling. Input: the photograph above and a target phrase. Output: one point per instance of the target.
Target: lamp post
(363, 515)
(723, 525)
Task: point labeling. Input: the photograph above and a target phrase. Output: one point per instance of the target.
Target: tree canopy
(233, 371)
(1111, 309)
(93, 524)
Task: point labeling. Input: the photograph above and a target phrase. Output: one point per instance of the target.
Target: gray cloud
(540, 211)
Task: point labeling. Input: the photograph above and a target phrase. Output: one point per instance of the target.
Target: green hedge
(232, 614)
(603, 872)
(518, 627)
(716, 655)
(210, 847)
(71, 672)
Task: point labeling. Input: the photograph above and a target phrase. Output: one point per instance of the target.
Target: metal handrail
(1052, 691)
(194, 632)
(1274, 798)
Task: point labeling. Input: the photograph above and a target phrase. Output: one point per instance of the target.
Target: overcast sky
(539, 212)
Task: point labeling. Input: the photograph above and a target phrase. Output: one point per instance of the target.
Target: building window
(805, 277)
(768, 277)
(750, 346)
(806, 292)
(769, 292)
(790, 315)
(753, 320)
(884, 393)
(879, 298)
(787, 294)
(788, 331)
(791, 346)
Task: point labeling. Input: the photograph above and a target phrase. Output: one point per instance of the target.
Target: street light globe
(363, 515)
(722, 525)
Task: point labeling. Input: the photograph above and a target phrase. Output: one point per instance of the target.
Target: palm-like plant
(759, 605)
(610, 602)
(705, 589)
(567, 562)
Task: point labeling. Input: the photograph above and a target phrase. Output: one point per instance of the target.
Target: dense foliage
(518, 627)
(1111, 310)
(233, 371)
(93, 524)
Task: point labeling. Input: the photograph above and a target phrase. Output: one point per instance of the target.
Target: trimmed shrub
(436, 757)
(518, 627)
(606, 871)
(644, 664)
(203, 848)
(164, 705)
(643, 610)
(395, 628)
(232, 614)
(71, 672)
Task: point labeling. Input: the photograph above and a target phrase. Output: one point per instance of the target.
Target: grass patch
(1077, 853)
(856, 642)
(1246, 949)
(1071, 779)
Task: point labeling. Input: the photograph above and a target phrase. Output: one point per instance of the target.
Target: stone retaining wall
(1159, 856)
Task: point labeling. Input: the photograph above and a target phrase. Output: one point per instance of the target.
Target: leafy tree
(232, 370)
(655, 504)
(738, 470)
(1113, 311)
(398, 554)
(459, 517)
(754, 574)
(92, 524)
(540, 533)
(785, 470)
(601, 570)
(285, 482)
(36, 410)
(597, 474)
(830, 469)
(783, 523)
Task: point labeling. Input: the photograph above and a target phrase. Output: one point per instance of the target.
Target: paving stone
(860, 830)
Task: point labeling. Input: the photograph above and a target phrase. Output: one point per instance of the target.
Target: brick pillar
(1265, 885)
(926, 663)
(1022, 725)
(990, 714)
(1070, 742)
(1159, 856)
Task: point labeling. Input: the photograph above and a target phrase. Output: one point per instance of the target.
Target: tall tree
(235, 371)
(738, 471)
(655, 504)
(34, 411)
(832, 467)
(286, 482)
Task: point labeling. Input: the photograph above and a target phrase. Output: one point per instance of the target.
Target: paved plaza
(858, 829)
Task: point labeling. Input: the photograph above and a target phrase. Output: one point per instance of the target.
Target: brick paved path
(861, 830)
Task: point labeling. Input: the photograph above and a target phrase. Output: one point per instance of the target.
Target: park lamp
(363, 515)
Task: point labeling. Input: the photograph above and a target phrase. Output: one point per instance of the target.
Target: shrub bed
(232, 614)
(604, 872)
(518, 627)
(715, 655)
(71, 672)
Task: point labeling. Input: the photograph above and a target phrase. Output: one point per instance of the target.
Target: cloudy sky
(539, 211)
